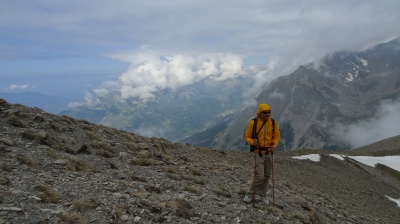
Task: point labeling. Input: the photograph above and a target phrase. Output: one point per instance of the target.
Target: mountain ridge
(50, 103)
(310, 103)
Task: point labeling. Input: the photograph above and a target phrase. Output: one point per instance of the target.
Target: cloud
(149, 72)
(277, 95)
(90, 100)
(274, 36)
(18, 87)
(150, 131)
(266, 29)
(384, 125)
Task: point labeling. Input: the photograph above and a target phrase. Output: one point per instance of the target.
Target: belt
(262, 151)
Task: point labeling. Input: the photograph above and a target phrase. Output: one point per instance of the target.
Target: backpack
(255, 132)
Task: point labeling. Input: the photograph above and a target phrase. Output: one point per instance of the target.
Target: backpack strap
(258, 132)
(273, 128)
(254, 127)
(255, 133)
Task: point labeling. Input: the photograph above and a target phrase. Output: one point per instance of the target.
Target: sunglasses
(266, 112)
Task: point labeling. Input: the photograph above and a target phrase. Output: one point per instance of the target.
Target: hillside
(55, 169)
(389, 146)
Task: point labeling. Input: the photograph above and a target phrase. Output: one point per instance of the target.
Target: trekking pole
(254, 180)
(273, 180)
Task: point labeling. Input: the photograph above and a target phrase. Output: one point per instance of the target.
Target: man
(265, 141)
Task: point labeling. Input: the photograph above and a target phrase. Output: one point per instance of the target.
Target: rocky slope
(389, 146)
(55, 169)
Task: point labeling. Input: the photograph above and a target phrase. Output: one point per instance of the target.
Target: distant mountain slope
(49, 103)
(173, 114)
(389, 146)
(347, 88)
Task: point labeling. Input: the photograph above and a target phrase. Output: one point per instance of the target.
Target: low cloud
(277, 95)
(150, 131)
(384, 125)
(149, 72)
(18, 87)
(90, 100)
(284, 64)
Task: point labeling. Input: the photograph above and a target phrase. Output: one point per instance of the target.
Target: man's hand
(255, 142)
(272, 148)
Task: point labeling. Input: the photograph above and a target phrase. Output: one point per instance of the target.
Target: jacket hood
(263, 107)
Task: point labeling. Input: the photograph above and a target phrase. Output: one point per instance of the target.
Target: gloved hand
(255, 142)
(271, 149)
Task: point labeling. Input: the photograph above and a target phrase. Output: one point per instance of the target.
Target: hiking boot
(247, 199)
(264, 200)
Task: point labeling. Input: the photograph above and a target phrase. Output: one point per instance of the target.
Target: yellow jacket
(265, 136)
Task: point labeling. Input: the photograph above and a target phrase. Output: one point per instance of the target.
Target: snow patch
(397, 201)
(312, 157)
(350, 77)
(390, 161)
(363, 61)
(355, 65)
(340, 157)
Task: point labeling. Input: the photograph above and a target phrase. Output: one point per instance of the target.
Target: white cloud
(72, 105)
(384, 125)
(277, 95)
(16, 86)
(149, 131)
(149, 72)
(90, 100)
(101, 92)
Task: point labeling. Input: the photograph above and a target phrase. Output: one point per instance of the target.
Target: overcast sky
(140, 47)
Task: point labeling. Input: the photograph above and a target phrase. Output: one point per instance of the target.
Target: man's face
(265, 114)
